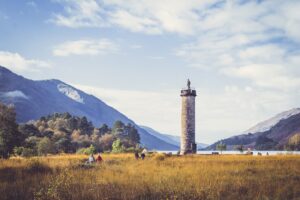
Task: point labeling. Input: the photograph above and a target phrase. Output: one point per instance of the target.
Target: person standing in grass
(143, 155)
(136, 155)
(99, 158)
(91, 159)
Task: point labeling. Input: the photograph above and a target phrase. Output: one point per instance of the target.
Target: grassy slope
(158, 177)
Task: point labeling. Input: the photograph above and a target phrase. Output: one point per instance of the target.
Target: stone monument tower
(188, 144)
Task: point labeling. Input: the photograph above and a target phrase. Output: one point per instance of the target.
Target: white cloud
(286, 18)
(134, 23)
(83, 13)
(136, 46)
(15, 94)
(18, 63)
(85, 47)
(147, 16)
(269, 53)
(251, 41)
(243, 56)
(227, 36)
(32, 4)
(272, 76)
(183, 17)
(156, 57)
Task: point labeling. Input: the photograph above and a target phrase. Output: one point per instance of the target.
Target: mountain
(171, 139)
(271, 134)
(33, 99)
(268, 124)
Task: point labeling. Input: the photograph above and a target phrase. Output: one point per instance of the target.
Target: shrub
(25, 152)
(28, 152)
(81, 151)
(117, 146)
(18, 151)
(87, 151)
(131, 150)
(45, 146)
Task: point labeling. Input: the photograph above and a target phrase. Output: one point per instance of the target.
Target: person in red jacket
(99, 158)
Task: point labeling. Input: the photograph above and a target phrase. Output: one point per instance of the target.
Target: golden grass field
(120, 176)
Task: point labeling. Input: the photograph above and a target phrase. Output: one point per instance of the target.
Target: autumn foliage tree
(60, 132)
(294, 143)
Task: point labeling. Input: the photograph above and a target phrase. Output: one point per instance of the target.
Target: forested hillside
(59, 133)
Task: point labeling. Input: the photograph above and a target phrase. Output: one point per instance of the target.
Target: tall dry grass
(120, 176)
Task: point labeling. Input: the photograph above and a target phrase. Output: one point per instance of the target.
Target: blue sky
(242, 56)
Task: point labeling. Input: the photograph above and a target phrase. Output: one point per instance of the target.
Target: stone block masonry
(188, 144)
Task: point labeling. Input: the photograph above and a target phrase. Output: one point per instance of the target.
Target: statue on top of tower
(189, 84)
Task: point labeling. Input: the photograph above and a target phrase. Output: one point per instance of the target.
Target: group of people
(143, 155)
(92, 159)
(137, 156)
(99, 159)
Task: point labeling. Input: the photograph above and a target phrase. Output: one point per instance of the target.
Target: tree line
(62, 133)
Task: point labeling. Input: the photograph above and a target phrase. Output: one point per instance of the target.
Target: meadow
(120, 176)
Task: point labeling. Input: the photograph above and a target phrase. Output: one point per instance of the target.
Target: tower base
(193, 150)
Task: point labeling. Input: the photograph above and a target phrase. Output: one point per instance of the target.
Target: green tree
(221, 147)
(66, 115)
(118, 128)
(45, 146)
(91, 150)
(27, 152)
(64, 145)
(29, 130)
(133, 135)
(10, 137)
(31, 142)
(118, 124)
(85, 126)
(104, 129)
(117, 146)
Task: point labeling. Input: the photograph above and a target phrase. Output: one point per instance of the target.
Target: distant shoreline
(255, 152)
